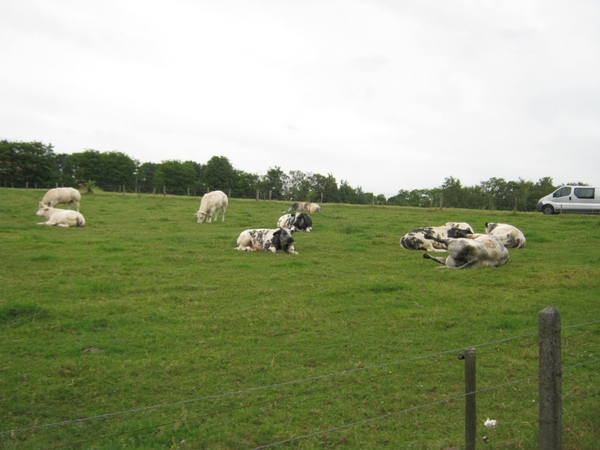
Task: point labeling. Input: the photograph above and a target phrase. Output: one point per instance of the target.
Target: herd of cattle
(465, 248)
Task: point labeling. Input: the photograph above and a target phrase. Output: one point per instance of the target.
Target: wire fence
(383, 370)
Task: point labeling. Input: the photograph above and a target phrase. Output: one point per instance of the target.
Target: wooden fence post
(188, 192)
(550, 380)
(441, 201)
(164, 191)
(470, 399)
(257, 194)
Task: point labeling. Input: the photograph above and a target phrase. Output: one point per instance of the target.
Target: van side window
(562, 192)
(584, 192)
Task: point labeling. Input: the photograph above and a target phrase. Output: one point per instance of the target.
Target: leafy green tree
(323, 187)
(108, 170)
(298, 186)
(145, 176)
(176, 176)
(245, 184)
(347, 193)
(22, 162)
(453, 193)
(218, 174)
(274, 181)
(65, 170)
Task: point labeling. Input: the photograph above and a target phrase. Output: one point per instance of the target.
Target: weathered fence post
(550, 380)
(257, 194)
(188, 192)
(164, 191)
(270, 192)
(441, 201)
(229, 194)
(470, 399)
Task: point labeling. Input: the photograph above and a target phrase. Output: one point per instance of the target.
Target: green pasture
(156, 332)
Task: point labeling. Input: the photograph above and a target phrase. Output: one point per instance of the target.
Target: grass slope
(145, 307)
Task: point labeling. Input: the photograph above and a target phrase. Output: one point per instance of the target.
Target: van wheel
(548, 209)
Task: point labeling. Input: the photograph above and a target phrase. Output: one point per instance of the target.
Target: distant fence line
(550, 376)
(437, 201)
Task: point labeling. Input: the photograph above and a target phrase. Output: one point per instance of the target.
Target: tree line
(36, 164)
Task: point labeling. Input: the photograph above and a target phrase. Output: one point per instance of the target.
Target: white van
(571, 199)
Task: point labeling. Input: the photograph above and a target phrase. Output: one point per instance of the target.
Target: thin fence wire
(262, 388)
(320, 377)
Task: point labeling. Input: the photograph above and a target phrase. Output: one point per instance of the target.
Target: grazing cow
(509, 235)
(293, 222)
(277, 240)
(209, 206)
(305, 207)
(416, 240)
(62, 195)
(472, 250)
(60, 217)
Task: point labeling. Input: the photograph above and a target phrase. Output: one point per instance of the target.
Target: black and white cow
(472, 250)
(277, 240)
(416, 240)
(510, 235)
(296, 222)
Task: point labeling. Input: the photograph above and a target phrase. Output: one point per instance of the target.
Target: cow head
(282, 239)
(42, 208)
(303, 222)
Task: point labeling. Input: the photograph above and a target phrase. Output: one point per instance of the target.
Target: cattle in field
(210, 205)
(295, 222)
(305, 207)
(472, 250)
(60, 217)
(416, 239)
(276, 240)
(509, 235)
(66, 195)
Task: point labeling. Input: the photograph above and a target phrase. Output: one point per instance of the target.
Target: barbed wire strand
(335, 429)
(261, 388)
(277, 385)
(398, 413)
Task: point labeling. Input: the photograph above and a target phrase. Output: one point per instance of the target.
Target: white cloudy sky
(384, 94)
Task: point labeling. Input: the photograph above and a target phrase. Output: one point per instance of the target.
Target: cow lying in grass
(209, 206)
(295, 222)
(66, 195)
(509, 235)
(305, 207)
(277, 240)
(60, 217)
(472, 250)
(417, 240)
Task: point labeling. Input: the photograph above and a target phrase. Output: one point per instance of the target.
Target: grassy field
(156, 324)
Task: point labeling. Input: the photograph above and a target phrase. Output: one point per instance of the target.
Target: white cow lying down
(510, 235)
(60, 217)
(473, 250)
(66, 195)
(209, 206)
(277, 240)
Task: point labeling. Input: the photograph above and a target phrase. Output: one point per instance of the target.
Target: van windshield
(562, 192)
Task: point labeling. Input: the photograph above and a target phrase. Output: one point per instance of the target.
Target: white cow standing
(209, 206)
(60, 217)
(66, 195)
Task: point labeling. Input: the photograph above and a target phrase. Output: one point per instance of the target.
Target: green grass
(145, 307)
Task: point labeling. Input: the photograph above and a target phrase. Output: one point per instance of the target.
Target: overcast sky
(384, 94)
